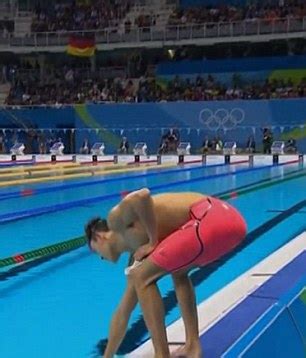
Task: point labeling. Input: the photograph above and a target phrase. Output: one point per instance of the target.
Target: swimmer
(169, 233)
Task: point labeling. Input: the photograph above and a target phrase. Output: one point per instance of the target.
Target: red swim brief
(215, 228)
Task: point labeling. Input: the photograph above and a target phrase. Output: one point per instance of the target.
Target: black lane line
(281, 211)
(135, 335)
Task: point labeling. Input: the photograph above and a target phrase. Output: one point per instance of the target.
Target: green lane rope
(61, 247)
(76, 243)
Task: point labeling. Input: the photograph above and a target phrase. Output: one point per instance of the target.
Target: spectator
(290, 146)
(173, 137)
(163, 146)
(267, 141)
(124, 146)
(85, 148)
(219, 144)
(251, 145)
(2, 143)
(206, 146)
(42, 143)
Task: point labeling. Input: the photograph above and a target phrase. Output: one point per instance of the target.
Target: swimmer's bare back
(172, 210)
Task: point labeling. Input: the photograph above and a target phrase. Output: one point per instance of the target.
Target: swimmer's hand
(143, 251)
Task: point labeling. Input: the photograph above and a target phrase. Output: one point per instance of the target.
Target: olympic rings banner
(148, 122)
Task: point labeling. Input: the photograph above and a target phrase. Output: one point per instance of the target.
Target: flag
(81, 46)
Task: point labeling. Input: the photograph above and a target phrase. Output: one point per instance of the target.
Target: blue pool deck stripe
(266, 320)
(227, 330)
(258, 294)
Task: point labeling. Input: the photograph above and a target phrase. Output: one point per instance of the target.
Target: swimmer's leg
(144, 278)
(186, 298)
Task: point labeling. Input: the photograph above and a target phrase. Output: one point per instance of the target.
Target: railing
(100, 73)
(170, 33)
(7, 9)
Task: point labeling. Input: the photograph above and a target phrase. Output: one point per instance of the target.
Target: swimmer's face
(103, 244)
(102, 240)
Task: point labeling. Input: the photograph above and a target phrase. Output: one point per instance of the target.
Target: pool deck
(229, 315)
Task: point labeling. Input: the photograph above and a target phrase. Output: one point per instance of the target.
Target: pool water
(62, 307)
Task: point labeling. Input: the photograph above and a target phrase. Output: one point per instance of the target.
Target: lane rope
(114, 179)
(78, 242)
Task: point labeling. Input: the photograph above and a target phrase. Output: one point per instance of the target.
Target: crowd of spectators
(108, 13)
(74, 17)
(68, 88)
(6, 27)
(230, 13)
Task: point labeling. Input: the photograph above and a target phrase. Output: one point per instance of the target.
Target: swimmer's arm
(120, 320)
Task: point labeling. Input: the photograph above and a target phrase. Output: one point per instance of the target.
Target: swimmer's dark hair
(95, 224)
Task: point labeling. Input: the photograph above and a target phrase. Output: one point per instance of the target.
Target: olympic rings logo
(221, 118)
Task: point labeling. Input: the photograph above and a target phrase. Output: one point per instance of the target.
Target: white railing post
(288, 24)
(231, 29)
(258, 27)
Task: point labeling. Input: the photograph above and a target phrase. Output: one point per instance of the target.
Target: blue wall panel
(232, 120)
(232, 65)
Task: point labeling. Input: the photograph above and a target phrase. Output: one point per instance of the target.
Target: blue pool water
(63, 307)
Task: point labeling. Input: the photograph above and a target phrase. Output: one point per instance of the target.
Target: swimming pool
(63, 307)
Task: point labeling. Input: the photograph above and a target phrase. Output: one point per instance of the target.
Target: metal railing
(170, 33)
(100, 73)
(7, 9)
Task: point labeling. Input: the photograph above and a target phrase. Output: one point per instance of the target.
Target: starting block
(17, 149)
(278, 147)
(98, 149)
(140, 148)
(229, 148)
(57, 148)
(183, 148)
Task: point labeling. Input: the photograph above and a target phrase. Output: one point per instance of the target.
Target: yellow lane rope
(50, 170)
(90, 172)
(33, 168)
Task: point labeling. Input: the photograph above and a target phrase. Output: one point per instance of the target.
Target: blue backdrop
(232, 120)
(232, 65)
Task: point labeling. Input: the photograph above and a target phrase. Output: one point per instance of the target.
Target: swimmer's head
(101, 240)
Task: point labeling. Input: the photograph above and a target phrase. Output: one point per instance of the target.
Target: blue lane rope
(16, 164)
(9, 217)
